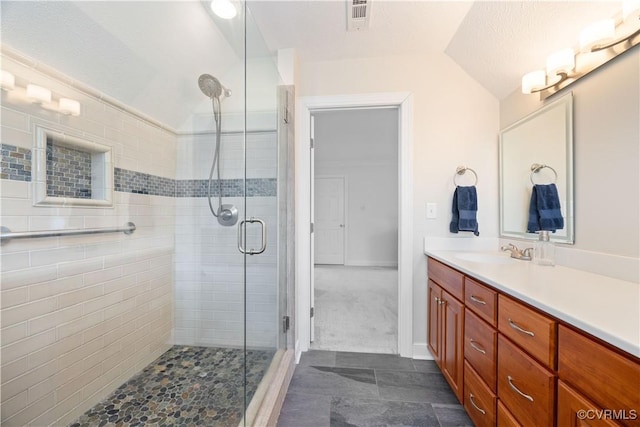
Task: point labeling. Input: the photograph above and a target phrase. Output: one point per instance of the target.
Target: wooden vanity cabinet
(446, 323)
(521, 366)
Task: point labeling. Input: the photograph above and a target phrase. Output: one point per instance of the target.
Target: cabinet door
(433, 327)
(452, 345)
(574, 410)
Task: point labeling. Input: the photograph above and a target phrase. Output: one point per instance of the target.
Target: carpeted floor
(186, 386)
(356, 309)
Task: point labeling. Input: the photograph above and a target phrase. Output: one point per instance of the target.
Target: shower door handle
(242, 226)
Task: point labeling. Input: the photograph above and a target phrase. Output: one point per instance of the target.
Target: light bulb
(597, 33)
(69, 106)
(38, 94)
(223, 8)
(631, 10)
(562, 61)
(533, 81)
(7, 80)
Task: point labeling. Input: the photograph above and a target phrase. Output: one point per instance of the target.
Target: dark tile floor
(361, 389)
(186, 386)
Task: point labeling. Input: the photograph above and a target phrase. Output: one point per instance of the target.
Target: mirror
(544, 137)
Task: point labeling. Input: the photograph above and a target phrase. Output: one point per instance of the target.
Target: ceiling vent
(358, 13)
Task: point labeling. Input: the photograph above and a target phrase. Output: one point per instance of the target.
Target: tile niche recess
(68, 170)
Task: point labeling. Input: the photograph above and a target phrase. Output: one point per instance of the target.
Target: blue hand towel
(544, 209)
(464, 209)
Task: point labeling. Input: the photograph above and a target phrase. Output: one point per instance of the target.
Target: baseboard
(420, 351)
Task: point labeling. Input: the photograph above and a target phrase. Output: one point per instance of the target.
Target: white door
(329, 220)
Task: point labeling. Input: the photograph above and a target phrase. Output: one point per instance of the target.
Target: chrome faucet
(524, 254)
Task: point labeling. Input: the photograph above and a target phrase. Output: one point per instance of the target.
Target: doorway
(303, 204)
(355, 217)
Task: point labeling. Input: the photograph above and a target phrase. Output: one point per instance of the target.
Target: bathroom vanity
(528, 345)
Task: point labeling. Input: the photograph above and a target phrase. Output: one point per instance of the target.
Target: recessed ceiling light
(223, 8)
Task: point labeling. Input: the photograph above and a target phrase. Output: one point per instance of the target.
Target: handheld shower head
(212, 87)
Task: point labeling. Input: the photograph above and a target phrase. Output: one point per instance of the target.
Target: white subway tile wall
(209, 272)
(79, 315)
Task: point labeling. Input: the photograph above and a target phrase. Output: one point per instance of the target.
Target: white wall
(606, 119)
(362, 145)
(455, 123)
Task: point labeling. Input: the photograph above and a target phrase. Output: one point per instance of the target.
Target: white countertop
(604, 307)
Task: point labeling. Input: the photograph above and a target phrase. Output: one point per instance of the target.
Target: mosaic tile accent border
(264, 187)
(68, 172)
(15, 164)
(128, 181)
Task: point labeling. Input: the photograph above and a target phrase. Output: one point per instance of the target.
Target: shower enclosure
(185, 319)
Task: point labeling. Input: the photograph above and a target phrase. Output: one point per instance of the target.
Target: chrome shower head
(212, 87)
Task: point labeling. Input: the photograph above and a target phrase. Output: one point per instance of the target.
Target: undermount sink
(484, 258)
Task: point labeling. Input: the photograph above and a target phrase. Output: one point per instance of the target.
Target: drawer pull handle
(482, 411)
(478, 300)
(526, 396)
(476, 348)
(519, 329)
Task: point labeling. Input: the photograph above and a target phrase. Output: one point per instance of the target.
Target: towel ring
(461, 170)
(536, 167)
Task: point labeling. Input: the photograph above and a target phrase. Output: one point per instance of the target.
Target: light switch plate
(432, 210)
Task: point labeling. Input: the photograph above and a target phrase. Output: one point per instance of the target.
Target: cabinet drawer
(572, 408)
(525, 387)
(611, 380)
(479, 401)
(482, 300)
(449, 279)
(480, 345)
(529, 329)
(505, 419)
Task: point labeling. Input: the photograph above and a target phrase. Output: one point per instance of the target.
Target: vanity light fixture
(610, 37)
(224, 9)
(38, 94)
(7, 80)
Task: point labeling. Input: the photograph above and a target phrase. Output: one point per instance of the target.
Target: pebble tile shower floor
(186, 386)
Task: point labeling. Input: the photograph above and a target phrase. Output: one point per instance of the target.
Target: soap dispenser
(544, 252)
